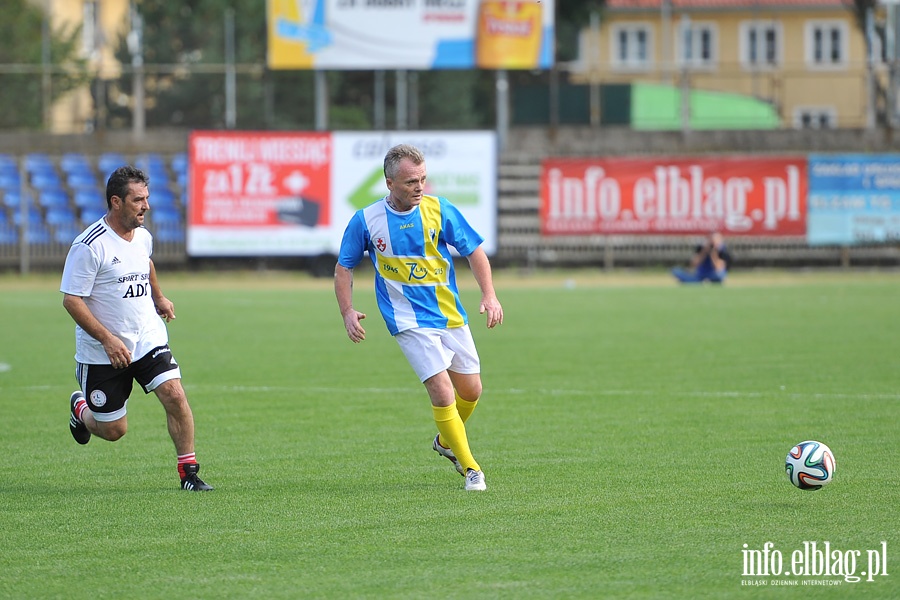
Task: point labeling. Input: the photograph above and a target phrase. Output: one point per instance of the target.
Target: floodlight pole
(321, 88)
(230, 83)
(135, 42)
(501, 85)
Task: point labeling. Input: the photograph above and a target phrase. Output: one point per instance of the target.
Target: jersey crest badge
(380, 244)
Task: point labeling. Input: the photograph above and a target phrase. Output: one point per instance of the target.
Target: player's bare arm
(343, 290)
(116, 350)
(164, 307)
(481, 270)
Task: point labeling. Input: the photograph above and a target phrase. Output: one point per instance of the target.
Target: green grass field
(632, 432)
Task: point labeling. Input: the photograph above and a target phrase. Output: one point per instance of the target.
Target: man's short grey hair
(396, 154)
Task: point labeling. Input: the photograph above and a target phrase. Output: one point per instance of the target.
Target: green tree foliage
(191, 34)
(183, 49)
(21, 44)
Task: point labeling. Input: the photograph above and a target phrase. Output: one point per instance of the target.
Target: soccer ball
(810, 465)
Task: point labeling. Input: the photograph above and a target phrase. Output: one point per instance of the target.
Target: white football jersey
(113, 277)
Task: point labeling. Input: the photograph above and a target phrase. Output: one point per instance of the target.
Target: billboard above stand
(409, 34)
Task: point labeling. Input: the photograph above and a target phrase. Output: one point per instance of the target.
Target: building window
(632, 46)
(760, 44)
(826, 44)
(815, 117)
(697, 45)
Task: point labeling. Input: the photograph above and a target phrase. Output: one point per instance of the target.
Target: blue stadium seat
(11, 198)
(48, 180)
(82, 180)
(4, 217)
(91, 214)
(64, 233)
(158, 178)
(109, 162)
(85, 198)
(165, 214)
(53, 197)
(8, 161)
(34, 216)
(74, 162)
(161, 197)
(60, 215)
(38, 162)
(9, 234)
(179, 163)
(150, 161)
(39, 233)
(10, 180)
(169, 232)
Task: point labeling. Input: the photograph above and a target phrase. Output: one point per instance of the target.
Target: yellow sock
(465, 407)
(452, 429)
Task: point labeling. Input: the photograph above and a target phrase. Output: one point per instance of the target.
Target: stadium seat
(59, 215)
(39, 233)
(165, 214)
(8, 161)
(161, 197)
(38, 162)
(34, 215)
(81, 180)
(73, 162)
(179, 163)
(10, 180)
(45, 180)
(150, 161)
(9, 234)
(91, 214)
(64, 233)
(11, 199)
(109, 162)
(53, 197)
(169, 232)
(85, 198)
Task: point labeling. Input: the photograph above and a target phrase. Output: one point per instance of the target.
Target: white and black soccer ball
(810, 465)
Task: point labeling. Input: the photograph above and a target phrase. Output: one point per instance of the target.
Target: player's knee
(112, 431)
(470, 393)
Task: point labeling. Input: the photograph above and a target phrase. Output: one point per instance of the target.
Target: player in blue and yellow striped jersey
(407, 234)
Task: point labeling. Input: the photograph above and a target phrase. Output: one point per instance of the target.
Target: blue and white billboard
(853, 199)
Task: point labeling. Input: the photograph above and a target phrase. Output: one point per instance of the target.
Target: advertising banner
(410, 34)
(763, 196)
(462, 167)
(854, 199)
(292, 194)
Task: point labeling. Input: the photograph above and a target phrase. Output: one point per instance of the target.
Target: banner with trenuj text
(410, 34)
(853, 199)
(291, 193)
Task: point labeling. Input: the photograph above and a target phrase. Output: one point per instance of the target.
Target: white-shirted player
(110, 290)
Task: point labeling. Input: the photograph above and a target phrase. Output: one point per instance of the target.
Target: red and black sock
(185, 459)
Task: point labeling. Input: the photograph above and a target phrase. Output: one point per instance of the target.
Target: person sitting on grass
(710, 262)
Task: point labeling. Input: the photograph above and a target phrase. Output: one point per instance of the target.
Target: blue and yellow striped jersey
(415, 283)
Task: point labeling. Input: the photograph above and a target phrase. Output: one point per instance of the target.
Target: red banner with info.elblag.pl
(756, 196)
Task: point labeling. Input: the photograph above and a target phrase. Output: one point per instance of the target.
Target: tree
(21, 44)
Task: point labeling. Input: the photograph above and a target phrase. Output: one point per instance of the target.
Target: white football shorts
(430, 351)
